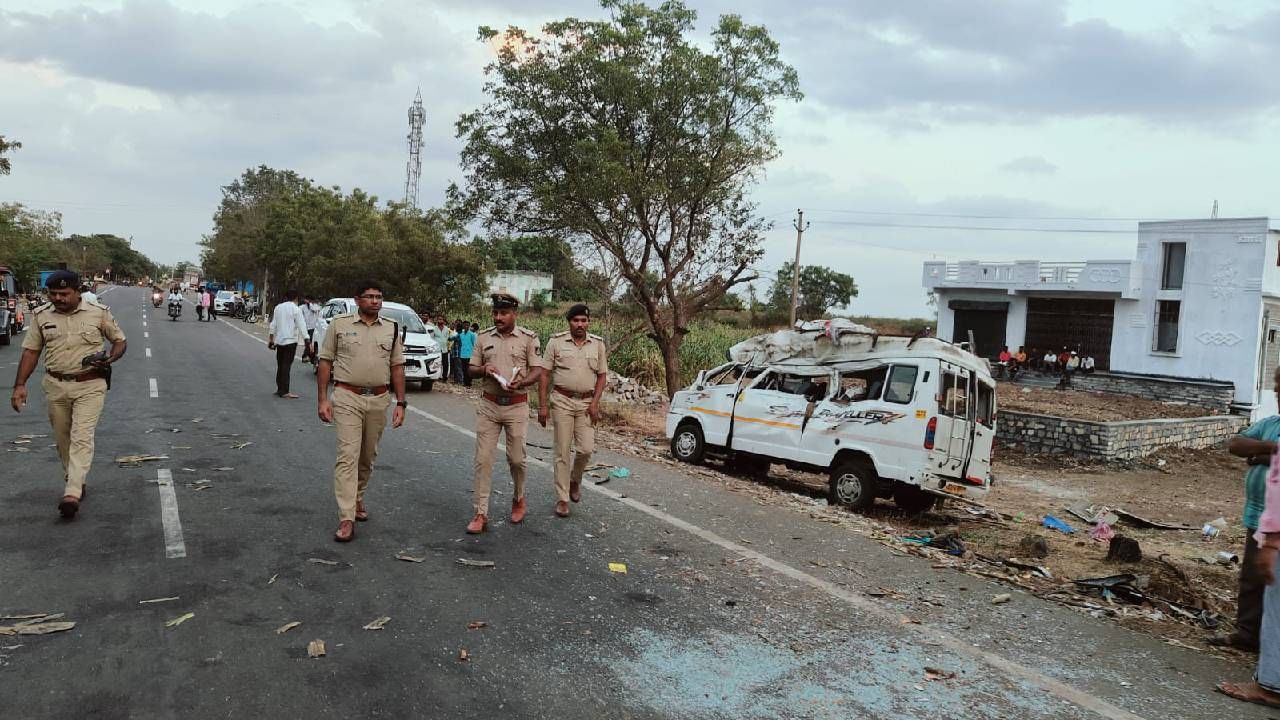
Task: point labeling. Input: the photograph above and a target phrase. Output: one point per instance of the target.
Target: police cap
(576, 310)
(502, 301)
(62, 280)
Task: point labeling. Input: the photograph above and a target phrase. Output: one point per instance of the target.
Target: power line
(905, 213)
(1087, 231)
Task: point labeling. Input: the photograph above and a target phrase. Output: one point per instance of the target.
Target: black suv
(8, 306)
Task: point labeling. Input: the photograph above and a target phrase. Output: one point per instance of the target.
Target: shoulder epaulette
(560, 334)
(526, 331)
(593, 336)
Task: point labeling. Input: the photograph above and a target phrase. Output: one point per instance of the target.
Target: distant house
(191, 276)
(524, 285)
(1200, 302)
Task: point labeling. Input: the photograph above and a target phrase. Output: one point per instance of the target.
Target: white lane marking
(888, 617)
(174, 547)
(155, 391)
(146, 334)
(246, 333)
(148, 352)
(144, 323)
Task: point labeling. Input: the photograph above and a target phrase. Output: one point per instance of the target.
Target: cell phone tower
(413, 168)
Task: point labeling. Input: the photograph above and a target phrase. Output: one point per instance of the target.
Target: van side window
(986, 405)
(862, 385)
(728, 376)
(902, 384)
(955, 396)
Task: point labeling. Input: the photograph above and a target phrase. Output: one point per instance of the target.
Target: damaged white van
(907, 418)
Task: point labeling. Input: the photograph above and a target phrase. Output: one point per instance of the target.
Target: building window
(1167, 312)
(1175, 257)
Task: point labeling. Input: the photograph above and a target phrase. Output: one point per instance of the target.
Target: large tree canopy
(7, 146)
(626, 138)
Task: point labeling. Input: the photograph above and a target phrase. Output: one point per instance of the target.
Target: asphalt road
(727, 609)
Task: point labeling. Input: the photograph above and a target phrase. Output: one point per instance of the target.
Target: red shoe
(517, 511)
(477, 524)
(346, 531)
(575, 491)
(562, 508)
(361, 513)
(69, 506)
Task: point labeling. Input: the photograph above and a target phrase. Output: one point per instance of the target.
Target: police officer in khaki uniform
(69, 330)
(506, 357)
(364, 353)
(575, 366)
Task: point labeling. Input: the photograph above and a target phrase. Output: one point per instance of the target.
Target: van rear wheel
(912, 499)
(853, 483)
(687, 444)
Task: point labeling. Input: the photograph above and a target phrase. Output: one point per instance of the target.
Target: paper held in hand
(505, 383)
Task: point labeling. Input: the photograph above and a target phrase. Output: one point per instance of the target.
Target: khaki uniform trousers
(572, 426)
(492, 420)
(360, 420)
(74, 409)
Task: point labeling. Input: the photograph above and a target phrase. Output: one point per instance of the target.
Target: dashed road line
(146, 334)
(155, 390)
(148, 352)
(174, 547)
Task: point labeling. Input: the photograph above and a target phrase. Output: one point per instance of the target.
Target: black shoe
(1232, 641)
(68, 507)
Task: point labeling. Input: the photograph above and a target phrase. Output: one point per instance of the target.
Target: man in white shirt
(86, 293)
(287, 329)
(311, 318)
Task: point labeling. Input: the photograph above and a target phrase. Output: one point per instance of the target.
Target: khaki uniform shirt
(572, 367)
(66, 338)
(362, 354)
(511, 354)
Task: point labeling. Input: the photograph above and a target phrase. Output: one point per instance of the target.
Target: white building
(524, 285)
(1201, 301)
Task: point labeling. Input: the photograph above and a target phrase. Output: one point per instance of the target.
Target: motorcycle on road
(175, 310)
(156, 298)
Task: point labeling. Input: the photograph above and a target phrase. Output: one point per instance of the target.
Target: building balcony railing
(1116, 277)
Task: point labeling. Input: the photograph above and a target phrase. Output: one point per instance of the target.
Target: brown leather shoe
(562, 508)
(477, 524)
(517, 511)
(346, 531)
(69, 506)
(361, 513)
(575, 491)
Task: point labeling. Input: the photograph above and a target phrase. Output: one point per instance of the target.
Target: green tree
(627, 137)
(821, 289)
(7, 146)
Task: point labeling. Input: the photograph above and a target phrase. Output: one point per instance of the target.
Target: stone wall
(1216, 395)
(1112, 440)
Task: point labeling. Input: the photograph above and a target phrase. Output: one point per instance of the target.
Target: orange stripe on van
(709, 411)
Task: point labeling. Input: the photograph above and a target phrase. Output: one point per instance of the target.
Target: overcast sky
(938, 113)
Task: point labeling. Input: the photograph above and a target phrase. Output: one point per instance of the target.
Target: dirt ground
(1083, 405)
(1189, 598)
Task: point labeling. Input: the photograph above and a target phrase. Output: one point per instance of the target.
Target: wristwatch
(402, 403)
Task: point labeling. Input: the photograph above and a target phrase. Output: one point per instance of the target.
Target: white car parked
(421, 353)
(907, 418)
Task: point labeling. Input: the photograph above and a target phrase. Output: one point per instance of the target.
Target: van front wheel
(687, 444)
(853, 483)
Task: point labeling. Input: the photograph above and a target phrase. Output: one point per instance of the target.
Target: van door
(770, 414)
(952, 437)
(716, 391)
(984, 433)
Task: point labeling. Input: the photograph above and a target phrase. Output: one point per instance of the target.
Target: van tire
(853, 483)
(687, 443)
(753, 466)
(426, 385)
(4, 336)
(912, 499)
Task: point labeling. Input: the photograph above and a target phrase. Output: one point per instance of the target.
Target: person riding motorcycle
(156, 295)
(175, 299)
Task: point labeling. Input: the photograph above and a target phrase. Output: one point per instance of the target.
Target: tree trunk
(669, 345)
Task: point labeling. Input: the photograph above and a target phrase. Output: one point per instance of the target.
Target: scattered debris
(931, 673)
(476, 563)
(1034, 546)
(1001, 599)
(322, 561)
(1142, 522)
(379, 623)
(1054, 523)
(315, 649)
(1124, 550)
(477, 625)
(137, 460)
(1093, 514)
(1029, 567)
(157, 600)
(402, 555)
(1211, 530)
(620, 568)
(241, 446)
(273, 578)
(1227, 558)
(175, 622)
(200, 485)
(21, 442)
(287, 627)
(223, 469)
(463, 655)
(35, 627)
(31, 437)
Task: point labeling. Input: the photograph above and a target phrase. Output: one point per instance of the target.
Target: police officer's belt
(506, 399)
(82, 377)
(575, 395)
(375, 390)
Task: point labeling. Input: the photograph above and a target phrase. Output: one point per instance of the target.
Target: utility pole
(800, 225)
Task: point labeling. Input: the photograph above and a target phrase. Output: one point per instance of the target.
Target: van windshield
(407, 320)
